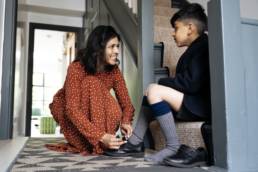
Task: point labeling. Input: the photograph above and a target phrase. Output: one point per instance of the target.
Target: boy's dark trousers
(206, 131)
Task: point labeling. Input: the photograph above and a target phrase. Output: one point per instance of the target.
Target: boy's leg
(157, 93)
(134, 144)
(162, 99)
(207, 137)
(145, 117)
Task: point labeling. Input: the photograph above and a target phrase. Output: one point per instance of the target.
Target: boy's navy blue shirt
(192, 77)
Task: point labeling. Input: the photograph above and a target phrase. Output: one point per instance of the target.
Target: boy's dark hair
(94, 53)
(191, 11)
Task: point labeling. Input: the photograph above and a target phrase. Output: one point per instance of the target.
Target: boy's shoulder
(201, 42)
(198, 47)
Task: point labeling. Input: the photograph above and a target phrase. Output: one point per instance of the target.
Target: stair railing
(132, 4)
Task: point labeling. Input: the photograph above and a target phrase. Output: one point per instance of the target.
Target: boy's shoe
(126, 149)
(187, 157)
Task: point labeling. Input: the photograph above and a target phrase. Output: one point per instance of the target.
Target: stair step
(158, 54)
(162, 21)
(164, 3)
(164, 11)
(189, 133)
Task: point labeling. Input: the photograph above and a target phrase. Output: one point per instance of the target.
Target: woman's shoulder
(75, 65)
(115, 71)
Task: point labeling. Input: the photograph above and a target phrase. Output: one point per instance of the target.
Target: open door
(51, 50)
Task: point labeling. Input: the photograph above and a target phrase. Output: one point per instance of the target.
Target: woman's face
(112, 51)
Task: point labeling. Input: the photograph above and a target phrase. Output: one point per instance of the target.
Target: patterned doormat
(35, 158)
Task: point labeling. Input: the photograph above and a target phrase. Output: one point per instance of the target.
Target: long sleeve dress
(86, 110)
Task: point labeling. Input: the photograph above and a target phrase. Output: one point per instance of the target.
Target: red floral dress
(86, 110)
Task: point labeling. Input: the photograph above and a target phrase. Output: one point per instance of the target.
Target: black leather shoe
(126, 149)
(187, 157)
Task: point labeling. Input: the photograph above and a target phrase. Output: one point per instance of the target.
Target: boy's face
(181, 34)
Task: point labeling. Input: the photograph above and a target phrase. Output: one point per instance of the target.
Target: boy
(184, 97)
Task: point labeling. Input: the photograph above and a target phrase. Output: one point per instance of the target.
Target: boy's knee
(152, 90)
(153, 93)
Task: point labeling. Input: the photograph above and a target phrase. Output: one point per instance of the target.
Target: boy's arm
(192, 78)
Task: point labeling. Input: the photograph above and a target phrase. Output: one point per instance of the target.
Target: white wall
(18, 85)
(54, 19)
(32, 17)
(78, 5)
(2, 12)
(43, 11)
(249, 9)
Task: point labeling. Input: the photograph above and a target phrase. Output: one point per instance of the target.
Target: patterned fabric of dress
(86, 110)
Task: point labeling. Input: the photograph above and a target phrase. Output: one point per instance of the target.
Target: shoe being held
(187, 157)
(126, 149)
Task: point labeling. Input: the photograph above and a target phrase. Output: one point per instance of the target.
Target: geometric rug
(35, 157)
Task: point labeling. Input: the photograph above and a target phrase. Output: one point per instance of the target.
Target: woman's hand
(111, 142)
(126, 130)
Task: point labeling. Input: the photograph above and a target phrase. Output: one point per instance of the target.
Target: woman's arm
(123, 97)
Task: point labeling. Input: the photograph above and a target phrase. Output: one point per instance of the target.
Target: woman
(88, 114)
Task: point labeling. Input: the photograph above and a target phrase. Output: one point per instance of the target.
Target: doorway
(51, 49)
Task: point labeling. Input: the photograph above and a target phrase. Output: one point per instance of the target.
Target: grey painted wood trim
(249, 21)
(217, 84)
(234, 74)
(126, 24)
(228, 87)
(6, 116)
(146, 48)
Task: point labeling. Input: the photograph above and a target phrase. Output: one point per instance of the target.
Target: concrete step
(189, 133)
(9, 150)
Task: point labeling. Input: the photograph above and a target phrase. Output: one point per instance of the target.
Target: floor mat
(35, 157)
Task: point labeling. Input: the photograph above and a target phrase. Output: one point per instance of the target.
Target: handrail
(132, 4)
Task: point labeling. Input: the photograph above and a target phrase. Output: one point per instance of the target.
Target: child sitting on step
(186, 96)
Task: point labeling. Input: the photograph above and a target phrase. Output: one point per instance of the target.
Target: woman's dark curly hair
(94, 54)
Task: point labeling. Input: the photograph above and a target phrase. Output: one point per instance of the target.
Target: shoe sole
(196, 164)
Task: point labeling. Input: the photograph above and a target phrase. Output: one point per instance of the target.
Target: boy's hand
(126, 130)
